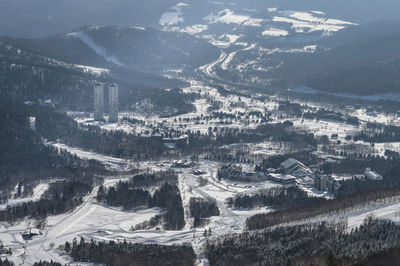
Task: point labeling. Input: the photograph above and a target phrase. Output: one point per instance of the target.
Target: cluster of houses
(291, 172)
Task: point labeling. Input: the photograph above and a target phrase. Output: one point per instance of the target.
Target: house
(371, 175)
(28, 234)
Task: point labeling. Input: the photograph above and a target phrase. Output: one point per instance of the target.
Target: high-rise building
(113, 102)
(98, 101)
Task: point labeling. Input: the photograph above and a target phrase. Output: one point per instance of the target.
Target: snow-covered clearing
(275, 32)
(174, 16)
(90, 220)
(222, 41)
(194, 29)
(304, 22)
(93, 70)
(38, 191)
(227, 16)
(325, 127)
(112, 162)
(100, 222)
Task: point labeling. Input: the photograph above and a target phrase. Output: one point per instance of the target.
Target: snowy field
(111, 162)
(38, 191)
(92, 220)
(89, 220)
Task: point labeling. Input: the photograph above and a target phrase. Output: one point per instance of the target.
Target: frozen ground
(100, 222)
(89, 220)
(38, 191)
(111, 162)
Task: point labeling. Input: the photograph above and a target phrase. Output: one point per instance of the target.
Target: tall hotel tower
(113, 102)
(98, 101)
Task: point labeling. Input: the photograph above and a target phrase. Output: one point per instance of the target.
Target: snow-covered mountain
(38, 18)
(134, 48)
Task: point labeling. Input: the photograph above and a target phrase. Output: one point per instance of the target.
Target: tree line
(201, 209)
(61, 197)
(260, 221)
(123, 253)
(310, 244)
(277, 198)
(131, 195)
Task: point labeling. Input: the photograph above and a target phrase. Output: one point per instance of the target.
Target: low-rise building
(306, 181)
(182, 164)
(372, 175)
(282, 178)
(28, 234)
(294, 167)
(324, 182)
(235, 172)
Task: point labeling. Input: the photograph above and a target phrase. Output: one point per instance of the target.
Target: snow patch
(223, 41)
(174, 17)
(38, 191)
(304, 22)
(93, 70)
(138, 28)
(321, 13)
(274, 32)
(310, 48)
(227, 16)
(194, 29)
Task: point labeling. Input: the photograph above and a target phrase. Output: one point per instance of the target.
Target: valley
(225, 133)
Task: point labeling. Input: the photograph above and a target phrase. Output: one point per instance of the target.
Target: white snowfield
(112, 162)
(93, 70)
(89, 220)
(309, 22)
(173, 17)
(38, 191)
(227, 16)
(275, 32)
(99, 222)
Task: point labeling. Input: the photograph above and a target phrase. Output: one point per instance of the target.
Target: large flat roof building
(98, 95)
(113, 102)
